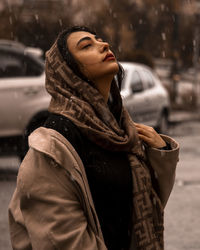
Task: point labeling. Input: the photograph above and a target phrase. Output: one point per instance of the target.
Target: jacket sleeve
(164, 164)
(51, 208)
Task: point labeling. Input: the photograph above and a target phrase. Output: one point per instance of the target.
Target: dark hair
(116, 103)
(66, 54)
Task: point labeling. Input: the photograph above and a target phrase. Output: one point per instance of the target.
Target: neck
(103, 85)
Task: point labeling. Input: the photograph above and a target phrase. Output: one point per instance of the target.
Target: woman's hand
(150, 136)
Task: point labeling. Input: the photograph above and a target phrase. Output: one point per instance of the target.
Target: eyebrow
(87, 38)
(83, 39)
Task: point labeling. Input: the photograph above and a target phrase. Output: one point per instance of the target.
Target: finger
(156, 142)
(144, 127)
(146, 139)
(145, 132)
(141, 125)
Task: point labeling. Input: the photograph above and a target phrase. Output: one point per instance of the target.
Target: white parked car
(23, 98)
(144, 96)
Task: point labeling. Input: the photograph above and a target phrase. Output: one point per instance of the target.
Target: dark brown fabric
(85, 106)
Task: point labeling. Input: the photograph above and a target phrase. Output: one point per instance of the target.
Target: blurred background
(162, 34)
(161, 40)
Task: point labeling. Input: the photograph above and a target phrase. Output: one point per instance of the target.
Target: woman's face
(93, 55)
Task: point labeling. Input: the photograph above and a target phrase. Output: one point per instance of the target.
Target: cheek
(86, 62)
(89, 66)
(89, 60)
(92, 66)
(90, 70)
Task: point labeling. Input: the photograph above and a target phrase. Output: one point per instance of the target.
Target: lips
(109, 56)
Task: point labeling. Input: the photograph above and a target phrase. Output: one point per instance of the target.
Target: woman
(92, 179)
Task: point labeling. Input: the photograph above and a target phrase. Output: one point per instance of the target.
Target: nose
(104, 46)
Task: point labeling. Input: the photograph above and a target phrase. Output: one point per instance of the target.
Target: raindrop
(163, 54)
(28, 195)
(60, 22)
(180, 183)
(163, 153)
(131, 26)
(194, 43)
(115, 15)
(10, 20)
(162, 6)
(163, 36)
(53, 163)
(37, 18)
(16, 17)
(71, 177)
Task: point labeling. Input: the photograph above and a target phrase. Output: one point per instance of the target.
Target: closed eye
(86, 46)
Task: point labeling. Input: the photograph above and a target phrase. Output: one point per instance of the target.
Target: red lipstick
(109, 56)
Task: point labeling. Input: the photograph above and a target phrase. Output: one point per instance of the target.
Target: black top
(110, 181)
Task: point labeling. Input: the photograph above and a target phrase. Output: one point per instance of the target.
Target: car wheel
(24, 145)
(163, 123)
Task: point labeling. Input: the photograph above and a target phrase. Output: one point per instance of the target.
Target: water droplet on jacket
(71, 177)
(163, 153)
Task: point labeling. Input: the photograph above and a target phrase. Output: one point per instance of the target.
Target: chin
(113, 68)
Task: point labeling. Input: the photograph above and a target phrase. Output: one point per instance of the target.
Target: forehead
(74, 37)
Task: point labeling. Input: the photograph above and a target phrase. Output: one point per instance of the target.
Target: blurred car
(144, 96)
(23, 98)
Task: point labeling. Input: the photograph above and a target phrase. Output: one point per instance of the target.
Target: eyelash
(86, 46)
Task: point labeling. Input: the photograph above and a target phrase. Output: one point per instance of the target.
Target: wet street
(182, 220)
